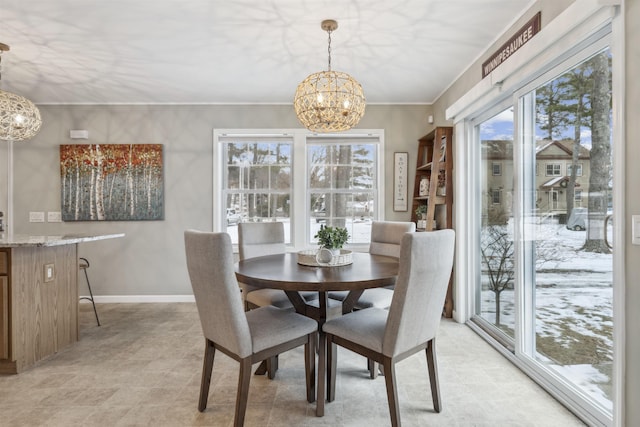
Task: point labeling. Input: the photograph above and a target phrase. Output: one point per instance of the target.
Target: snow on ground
(573, 311)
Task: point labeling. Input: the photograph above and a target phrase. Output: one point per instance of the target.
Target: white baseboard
(119, 299)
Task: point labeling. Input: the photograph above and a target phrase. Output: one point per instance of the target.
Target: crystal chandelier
(329, 101)
(19, 117)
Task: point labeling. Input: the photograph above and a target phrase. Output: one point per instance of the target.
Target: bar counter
(38, 296)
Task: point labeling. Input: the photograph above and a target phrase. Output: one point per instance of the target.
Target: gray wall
(150, 259)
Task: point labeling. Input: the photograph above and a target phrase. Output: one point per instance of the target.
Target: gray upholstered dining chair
(248, 337)
(409, 326)
(260, 239)
(385, 240)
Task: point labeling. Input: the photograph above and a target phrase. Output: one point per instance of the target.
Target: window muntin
(496, 169)
(554, 169)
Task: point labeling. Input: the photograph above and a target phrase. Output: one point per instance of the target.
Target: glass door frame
(522, 350)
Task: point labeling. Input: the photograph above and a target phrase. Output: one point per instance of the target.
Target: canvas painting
(112, 182)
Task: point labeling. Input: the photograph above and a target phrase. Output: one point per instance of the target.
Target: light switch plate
(36, 216)
(635, 229)
(54, 217)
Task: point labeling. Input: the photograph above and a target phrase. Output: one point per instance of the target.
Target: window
(496, 169)
(342, 184)
(496, 198)
(578, 169)
(554, 169)
(302, 179)
(257, 180)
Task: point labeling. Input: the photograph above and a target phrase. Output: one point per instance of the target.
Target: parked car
(233, 218)
(578, 219)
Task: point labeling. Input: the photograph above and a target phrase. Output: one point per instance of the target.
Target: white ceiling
(240, 51)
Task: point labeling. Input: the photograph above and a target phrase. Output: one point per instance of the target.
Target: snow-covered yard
(573, 311)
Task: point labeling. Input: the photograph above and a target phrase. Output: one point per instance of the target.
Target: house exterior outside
(554, 161)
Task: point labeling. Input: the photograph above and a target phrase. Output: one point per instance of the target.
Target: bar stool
(83, 265)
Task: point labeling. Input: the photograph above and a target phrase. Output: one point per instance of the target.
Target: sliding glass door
(495, 295)
(544, 244)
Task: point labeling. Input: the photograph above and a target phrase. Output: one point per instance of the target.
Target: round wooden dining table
(282, 271)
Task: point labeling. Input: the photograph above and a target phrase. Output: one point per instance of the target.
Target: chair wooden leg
(272, 367)
(207, 368)
(392, 391)
(373, 369)
(262, 368)
(315, 342)
(332, 363)
(432, 364)
(243, 391)
(310, 367)
(322, 372)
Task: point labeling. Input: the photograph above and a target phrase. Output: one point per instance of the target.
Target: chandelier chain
(329, 49)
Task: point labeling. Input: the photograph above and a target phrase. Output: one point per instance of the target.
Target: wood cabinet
(38, 315)
(433, 189)
(433, 186)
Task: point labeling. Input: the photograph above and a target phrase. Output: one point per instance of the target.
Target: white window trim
(299, 184)
(553, 169)
(578, 170)
(577, 23)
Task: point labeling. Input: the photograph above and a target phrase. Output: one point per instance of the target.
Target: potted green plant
(421, 216)
(332, 238)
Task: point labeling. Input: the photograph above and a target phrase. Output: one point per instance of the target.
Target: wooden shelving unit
(435, 166)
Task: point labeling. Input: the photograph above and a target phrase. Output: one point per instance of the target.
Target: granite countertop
(15, 240)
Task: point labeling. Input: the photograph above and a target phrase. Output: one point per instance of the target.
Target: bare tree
(497, 249)
(498, 259)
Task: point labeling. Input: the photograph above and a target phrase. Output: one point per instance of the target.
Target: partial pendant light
(329, 101)
(19, 118)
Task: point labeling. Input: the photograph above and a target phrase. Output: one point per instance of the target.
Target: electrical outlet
(49, 272)
(54, 217)
(36, 216)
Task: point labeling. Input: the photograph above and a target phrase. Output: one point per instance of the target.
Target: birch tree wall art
(111, 182)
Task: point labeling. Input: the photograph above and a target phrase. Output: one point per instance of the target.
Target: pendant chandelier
(329, 101)
(19, 117)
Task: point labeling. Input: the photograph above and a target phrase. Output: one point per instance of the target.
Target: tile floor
(142, 368)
